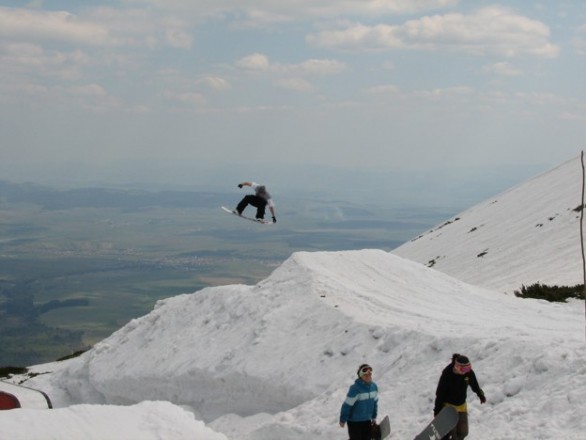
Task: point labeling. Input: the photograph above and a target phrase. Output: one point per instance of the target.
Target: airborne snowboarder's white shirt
(255, 186)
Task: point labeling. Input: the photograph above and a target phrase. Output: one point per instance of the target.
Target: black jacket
(452, 387)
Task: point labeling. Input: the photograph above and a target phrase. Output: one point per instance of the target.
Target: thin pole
(582, 239)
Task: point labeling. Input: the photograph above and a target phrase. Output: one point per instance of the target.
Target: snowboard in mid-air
(443, 423)
(262, 221)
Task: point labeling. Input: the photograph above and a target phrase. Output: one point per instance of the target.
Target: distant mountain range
(51, 198)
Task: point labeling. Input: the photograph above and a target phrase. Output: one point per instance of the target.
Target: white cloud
(21, 50)
(296, 84)
(31, 60)
(97, 27)
(387, 89)
(33, 25)
(88, 90)
(449, 92)
(503, 69)
(93, 97)
(317, 67)
(143, 27)
(263, 18)
(358, 38)
(260, 62)
(272, 11)
(214, 82)
(178, 39)
(493, 30)
(256, 61)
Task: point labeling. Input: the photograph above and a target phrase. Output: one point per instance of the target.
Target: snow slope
(144, 421)
(528, 234)
(273, 361)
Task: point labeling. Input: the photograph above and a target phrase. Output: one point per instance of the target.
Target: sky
(181, 92)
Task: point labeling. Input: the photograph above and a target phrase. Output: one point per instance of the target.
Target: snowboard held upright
(380, 431)
(443, 423)
(385, 428)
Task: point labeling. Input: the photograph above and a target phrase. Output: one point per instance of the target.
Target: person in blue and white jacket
(360, 408)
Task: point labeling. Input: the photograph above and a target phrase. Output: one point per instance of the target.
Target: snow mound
(274, 360)
(144, 421)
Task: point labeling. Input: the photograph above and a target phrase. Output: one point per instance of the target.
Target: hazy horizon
(390, 187)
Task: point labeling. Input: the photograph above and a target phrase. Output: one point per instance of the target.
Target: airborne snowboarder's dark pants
(258, 202)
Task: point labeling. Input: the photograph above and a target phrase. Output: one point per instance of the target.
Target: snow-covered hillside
(273, 361)
(528, 234)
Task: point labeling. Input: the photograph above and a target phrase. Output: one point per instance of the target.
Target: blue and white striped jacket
(361, 403)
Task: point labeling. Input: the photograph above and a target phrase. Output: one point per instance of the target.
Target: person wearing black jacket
(451, 390)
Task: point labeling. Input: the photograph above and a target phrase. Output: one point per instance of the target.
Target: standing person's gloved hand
(240, 185)
(482, 398)
(274, 219)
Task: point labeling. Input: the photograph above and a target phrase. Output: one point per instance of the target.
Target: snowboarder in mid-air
(260, 200)
(451, 390)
